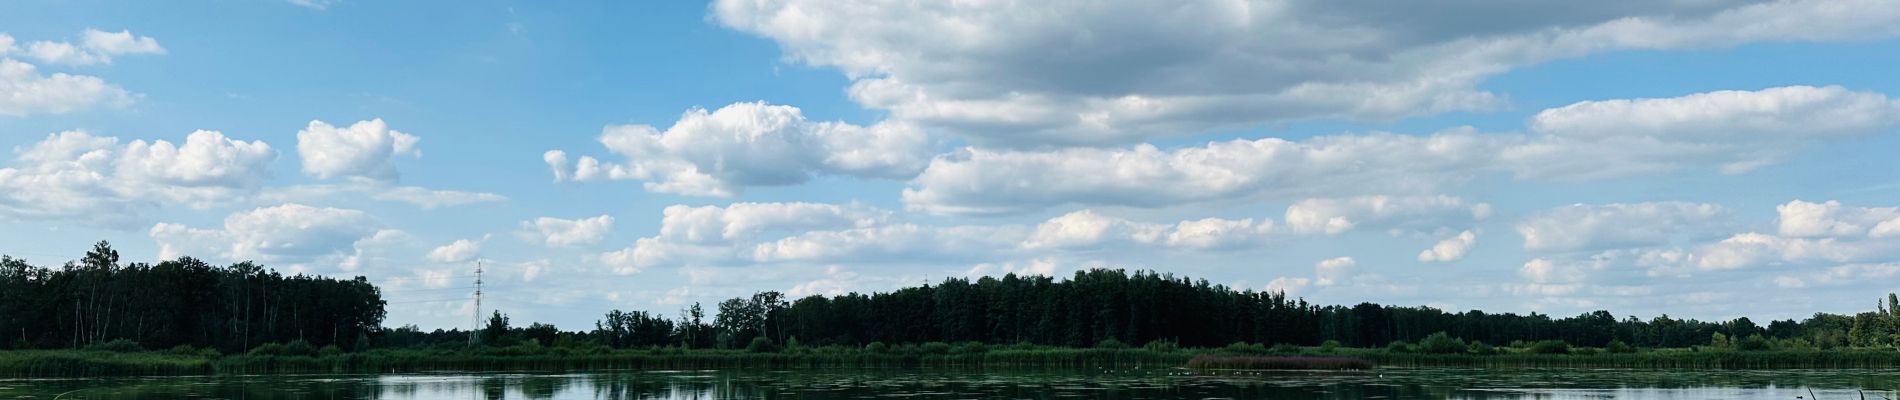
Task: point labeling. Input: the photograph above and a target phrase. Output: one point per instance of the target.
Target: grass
(78, 363)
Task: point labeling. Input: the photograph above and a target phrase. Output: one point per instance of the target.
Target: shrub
(934, 348)
(182, 350)
(1329, 346)
(971, 347)
(117, 346)
(1285, 348)
(1111, 343)
(1162, 346)
(1442, 343)
(1549, 347)
(267, 349)
(1585, 351)
(299, 347)
(330, 351)
(762, 345)
(1618, 347)
(877, 347)
(1752, 343)
(1482, 349)
(1398, 346)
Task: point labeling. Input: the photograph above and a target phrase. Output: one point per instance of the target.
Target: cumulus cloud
(1288, 285)
(1086, 229)
(1045, 266)
(1599, 226)
(1334, 216)
(77, 175)
(1808, 219)
(1451, 249)
(556, 232)
(25, 91)
(95, 47)
(365, 150)
(461, 250)
(895, 241)
(1736, 131)
(1334, 271)
(719, 153)
(292, 234)
(1585, 141)
(723, 235)
(1068, 72)
(714, 224)
(985, 181)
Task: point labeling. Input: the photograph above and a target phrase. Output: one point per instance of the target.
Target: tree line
(1100, 305)
(237, 307)
(96, 300)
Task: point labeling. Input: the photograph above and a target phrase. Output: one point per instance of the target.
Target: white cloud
(1335, 216)
(1024, 73)
(293, 234)
(1737, 131)
(1085, 229)
(556, 232)
(1755, 249)
(24, 91)
(721, 152)
(991, 181)
(95, 47)
(983, 181)
(315, 4)
(1334, 271)
(462, 250)
(1046, 266)
(427, 199)
(1841, 275)
(371, 250)
(364, 150)
(1591, 226)
(1288, 286)
(76, 175)
(905, 241)
(1451, 249)
(534, 269)
(713, 224)
(836, 281)
(1807, 219)
(1547, 271)
(1217, 233)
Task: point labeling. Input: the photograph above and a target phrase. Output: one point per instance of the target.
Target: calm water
(858, 384)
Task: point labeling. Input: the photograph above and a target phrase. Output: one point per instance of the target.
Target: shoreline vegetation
(299, 358)
(97, 317)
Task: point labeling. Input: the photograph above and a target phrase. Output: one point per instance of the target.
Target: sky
(1698, 158)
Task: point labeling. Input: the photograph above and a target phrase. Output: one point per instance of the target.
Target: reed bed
(1278, 362)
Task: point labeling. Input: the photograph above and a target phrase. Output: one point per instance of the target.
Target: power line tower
(475, 326)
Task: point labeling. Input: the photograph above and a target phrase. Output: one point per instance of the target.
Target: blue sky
(1706, 159)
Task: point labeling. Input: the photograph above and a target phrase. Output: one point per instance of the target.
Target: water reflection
(1141, 384)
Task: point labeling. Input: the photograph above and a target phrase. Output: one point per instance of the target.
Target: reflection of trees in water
(669, 386)
(836, 384)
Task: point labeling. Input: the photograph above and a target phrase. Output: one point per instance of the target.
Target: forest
(237, 308)
(96, 300)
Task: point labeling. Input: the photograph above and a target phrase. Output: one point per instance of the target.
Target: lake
(1434, 383)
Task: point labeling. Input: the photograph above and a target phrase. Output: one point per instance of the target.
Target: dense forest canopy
(179, 302)
(188, 302)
